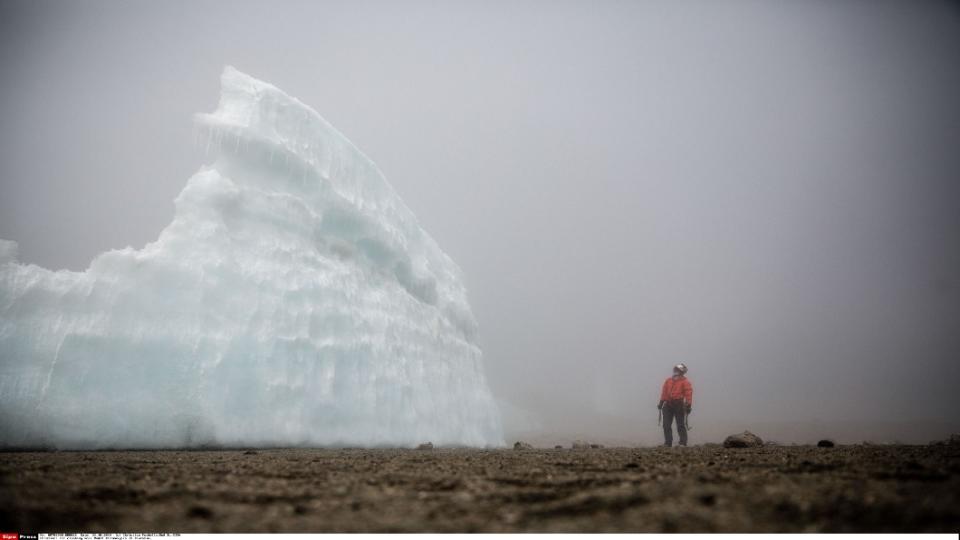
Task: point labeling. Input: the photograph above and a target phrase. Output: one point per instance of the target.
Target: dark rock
(580, 445)
(632, 465)
(953, 440)
(201, 512)
(825, 443)
(251, 453)
(558, 447)
(520, 445)
(743, 440)
(596, 446)
(426, 446)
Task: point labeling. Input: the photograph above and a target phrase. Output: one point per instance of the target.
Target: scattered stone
(426, 446)
(953, 440)
(743, 440)
(463, 497)
(580, 445)
(520, 445)
(825, 443)
(201, 512)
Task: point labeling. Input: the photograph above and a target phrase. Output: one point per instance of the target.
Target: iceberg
(294, 300)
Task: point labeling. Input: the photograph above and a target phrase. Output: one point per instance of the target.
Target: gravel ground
(700, 489)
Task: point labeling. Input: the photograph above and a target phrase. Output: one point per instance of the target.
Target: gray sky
(766, 191)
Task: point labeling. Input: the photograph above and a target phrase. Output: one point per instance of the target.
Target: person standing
(676, 402)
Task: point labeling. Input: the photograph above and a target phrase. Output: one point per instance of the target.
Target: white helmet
(682, 368)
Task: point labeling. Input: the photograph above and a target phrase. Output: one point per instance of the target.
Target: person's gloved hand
(689, 408)
(660, 405)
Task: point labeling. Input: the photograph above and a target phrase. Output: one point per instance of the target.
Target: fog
(765, 191)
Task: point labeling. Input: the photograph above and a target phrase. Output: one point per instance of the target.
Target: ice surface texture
(293, 300)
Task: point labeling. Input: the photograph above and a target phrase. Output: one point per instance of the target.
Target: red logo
(9, 536)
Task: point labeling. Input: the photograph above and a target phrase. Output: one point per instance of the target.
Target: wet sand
(701, 489)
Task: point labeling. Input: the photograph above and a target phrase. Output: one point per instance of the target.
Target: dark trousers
(674, 410)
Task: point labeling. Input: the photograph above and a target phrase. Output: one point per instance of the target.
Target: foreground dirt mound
(766, 489)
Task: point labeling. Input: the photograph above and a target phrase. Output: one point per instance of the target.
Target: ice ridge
(293, 300)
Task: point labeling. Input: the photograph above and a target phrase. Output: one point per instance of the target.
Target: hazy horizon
(765, 191)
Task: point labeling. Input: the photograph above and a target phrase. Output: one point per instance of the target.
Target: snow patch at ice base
(293, 300)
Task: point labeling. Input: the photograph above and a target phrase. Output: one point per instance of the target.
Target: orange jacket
(677, 389)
